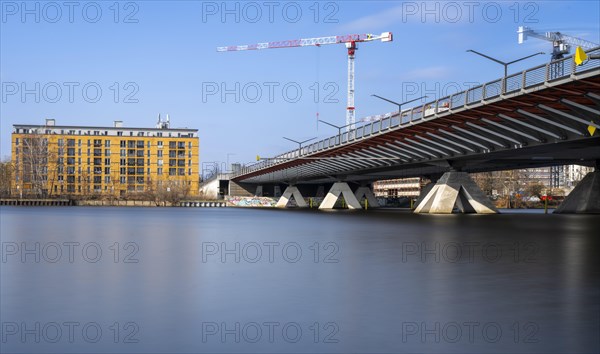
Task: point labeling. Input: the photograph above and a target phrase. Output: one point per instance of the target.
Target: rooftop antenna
(158, 124)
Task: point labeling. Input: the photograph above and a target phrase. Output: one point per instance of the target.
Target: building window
(159, 143)
(107, 143)
(107, 152)
(159, 171)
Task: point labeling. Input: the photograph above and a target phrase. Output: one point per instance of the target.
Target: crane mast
(349, 40)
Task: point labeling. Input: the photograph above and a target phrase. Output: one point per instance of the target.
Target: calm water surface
(182, 280)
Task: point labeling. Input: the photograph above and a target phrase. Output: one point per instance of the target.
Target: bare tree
(6, 177)
(36, 157)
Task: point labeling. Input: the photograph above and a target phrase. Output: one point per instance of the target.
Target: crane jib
(318, 41)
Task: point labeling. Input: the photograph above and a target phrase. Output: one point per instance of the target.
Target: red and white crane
(349, 40)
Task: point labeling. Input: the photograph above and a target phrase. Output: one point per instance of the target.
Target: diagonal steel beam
(395, 151)
(416, 149)
(470, 141)
(450, 141)
(580, 106)
(374, 160)
(362, 161)
(512, 130)
(548, 121)
(379, 149)
(493, 132)
(567, 115)
(532, 126)
(442, 153)
(438, 144)
(406, 151)
(479, 136)
(369, 163)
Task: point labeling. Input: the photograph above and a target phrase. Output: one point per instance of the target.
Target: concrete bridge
(543, 116)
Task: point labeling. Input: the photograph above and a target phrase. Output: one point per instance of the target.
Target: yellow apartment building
(59, 160)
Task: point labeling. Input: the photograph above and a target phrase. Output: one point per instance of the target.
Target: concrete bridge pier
(455, 190)
(340, 188)
(365, 192)
(585, 198)
(291, 191)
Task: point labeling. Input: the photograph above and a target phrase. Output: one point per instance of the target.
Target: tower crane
(350, 41)
(561, 43)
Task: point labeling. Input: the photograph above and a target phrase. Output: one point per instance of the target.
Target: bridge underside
(544, 125)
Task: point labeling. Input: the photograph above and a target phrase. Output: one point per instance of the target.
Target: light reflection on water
(377, 281)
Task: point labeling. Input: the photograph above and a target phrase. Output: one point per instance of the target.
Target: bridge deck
(539, 117)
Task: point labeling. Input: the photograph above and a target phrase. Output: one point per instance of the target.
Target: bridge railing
(536, 76)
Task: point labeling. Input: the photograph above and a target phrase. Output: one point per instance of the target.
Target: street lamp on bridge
(339, 128)
(299, 142)
(505, 64)
(396, 103)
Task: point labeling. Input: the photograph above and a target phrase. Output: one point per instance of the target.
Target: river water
(184, 280)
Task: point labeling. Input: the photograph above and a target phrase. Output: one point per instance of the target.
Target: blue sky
(150, 57)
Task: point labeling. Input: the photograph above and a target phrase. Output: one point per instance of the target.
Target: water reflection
(382, 281)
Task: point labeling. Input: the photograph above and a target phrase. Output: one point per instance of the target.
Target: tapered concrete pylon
(584, 199)
(291, 191)
(334, 193)
(455, 189)
(366, 192)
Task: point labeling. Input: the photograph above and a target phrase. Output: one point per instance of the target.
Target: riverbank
(114, 203)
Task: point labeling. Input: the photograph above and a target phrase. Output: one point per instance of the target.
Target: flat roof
(99, 127)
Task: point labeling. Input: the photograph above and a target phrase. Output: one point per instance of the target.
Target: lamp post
(505, 64)
(396, 103)
(339, 128)
(299, 142)
(229, 154)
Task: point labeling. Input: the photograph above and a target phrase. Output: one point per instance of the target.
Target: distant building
(395, 188)
(57, 160)
(565, 177)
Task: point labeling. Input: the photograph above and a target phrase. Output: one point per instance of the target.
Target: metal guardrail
(536, 76)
